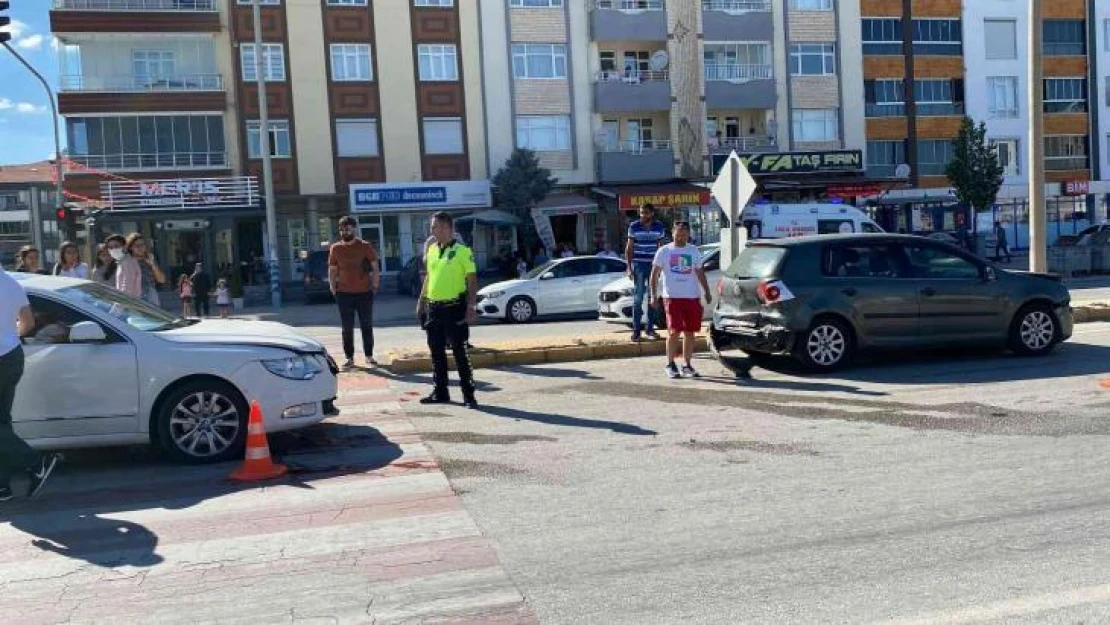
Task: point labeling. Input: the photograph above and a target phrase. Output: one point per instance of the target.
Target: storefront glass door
(372, 233)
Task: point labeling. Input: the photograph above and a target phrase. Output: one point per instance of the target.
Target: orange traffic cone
(257, 464)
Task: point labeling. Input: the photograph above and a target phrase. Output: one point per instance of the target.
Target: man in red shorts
(679, 264)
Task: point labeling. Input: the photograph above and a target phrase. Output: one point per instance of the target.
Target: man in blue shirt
(644, 238)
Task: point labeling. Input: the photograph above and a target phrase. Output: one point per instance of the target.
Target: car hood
(507, 285)
(242, 332)
(1033, 274)
(619, 284)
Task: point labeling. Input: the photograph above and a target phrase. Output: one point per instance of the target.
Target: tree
(520, 184)
(975, 172)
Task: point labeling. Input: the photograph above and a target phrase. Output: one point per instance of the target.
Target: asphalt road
(948, 488)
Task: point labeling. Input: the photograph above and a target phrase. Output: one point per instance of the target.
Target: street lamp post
(267, 163)
(1037, 217)
(36, 217)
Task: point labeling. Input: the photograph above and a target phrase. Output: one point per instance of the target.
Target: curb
(1088, 314)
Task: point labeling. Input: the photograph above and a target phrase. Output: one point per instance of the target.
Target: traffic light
(4, 21)
(67, 220)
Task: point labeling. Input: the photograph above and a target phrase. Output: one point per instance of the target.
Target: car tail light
(771, 291)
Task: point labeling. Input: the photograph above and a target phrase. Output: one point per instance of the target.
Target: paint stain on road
(473, 438)
(759, 447)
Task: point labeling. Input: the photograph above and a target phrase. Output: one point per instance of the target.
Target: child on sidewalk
(223, 298)
(185, 291)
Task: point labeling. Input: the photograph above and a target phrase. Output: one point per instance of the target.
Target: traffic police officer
(446, 307)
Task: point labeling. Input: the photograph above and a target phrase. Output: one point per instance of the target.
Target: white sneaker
(690, 372)
(672, 371)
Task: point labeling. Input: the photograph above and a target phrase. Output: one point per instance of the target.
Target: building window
(812, 59)
(882, 36)
(939, 96)
(356, 137)
(737, 61)
(347, 3)
(434, 3)
(884, 98)
(443, 135)
(262, 2)
(539, 60)
(273, 62)
(1106, 34)
(1002, 97)
(148, 66)
(933, 156)
(350, 62)
(1065, 152)
(884, 157)
(536, 4)
(1065, 95)
(937, 37)
(814, 124)
(543, 133)
(438, 62)
(280, 145)
(811, 5)
(1064, 38)
(1009, 155)
(147, 141)
(1000, 37)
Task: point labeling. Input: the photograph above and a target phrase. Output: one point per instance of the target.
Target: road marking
(1011, 608)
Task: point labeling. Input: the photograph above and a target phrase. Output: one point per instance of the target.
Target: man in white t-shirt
(679, 264)
(16, 321)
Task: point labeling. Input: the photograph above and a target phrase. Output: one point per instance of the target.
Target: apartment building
(27, 192)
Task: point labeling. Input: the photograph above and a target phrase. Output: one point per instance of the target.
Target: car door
(74, 389)
(560, 293)
(957, 302)
(602, 271)
(711, 265)
(870, 283)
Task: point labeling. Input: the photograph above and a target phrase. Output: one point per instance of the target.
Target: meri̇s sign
(182, 194)
(690, 197)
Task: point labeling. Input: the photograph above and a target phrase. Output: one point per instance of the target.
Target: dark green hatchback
(822, 299)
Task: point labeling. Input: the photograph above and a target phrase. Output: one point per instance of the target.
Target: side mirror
(989, 274)
(548, 276)
(86, 332)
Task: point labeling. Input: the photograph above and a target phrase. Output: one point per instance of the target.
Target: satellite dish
(659, 60)
(902, 171)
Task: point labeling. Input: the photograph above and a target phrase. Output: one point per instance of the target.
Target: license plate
(605, 308)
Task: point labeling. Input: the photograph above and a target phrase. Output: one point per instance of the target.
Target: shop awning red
(660, 195)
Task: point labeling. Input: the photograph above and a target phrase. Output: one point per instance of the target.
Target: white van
(778, 221)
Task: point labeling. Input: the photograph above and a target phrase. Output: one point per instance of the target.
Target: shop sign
(554, 211)
(1077, 187)
(633, 201)
(797, 162)
(370, 198)
(854, 190)
(182, 194)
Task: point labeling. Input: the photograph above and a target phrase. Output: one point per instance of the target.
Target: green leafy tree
(975, 172)
(519, 185)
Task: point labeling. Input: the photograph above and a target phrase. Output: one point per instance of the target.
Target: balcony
(729, 85)
(635, 161)
(628, 20)
(616, 91)
(137, 5)
(1065, 163)
(141, 84)
(743, 145)
(152, 161)
(135, 16)
(737, 20)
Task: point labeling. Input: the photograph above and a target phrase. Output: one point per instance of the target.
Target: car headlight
(294, 367)
(494, 295)
(626, 292)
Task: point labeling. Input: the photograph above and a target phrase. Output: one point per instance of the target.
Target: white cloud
(6, 104)
(17, 28)
(28, 108)
(34, 42)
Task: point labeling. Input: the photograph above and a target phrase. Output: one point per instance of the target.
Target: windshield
(539, 271)
(133, 311)
(756, 262)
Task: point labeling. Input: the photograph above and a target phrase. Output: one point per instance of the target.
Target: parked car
(104, 368)
(316, 286)
(614, 302)
(410, 280)
(562, 286)
(823, 299)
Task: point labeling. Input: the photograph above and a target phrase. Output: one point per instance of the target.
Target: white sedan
(558, 287)
(614, 302)
(104, 368)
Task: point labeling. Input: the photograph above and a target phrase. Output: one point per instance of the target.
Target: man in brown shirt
(354, 277)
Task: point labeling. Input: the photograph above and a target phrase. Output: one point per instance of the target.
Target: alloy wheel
(204, 424)
(1037, 330)
(521, 310)
(826, 345)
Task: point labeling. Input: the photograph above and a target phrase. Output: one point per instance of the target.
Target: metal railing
(939, 109)
(632, 77)
(136, 5)
(736, 6)
(1065, 163)
(636, 146)
(629, 5)
(125, 83)
(153, 161)
(734, 72)
(14, 206)
(740, 144)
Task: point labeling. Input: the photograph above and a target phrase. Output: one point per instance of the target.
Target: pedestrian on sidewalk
(223, 298)
(202, 287)
(28, 260)
(1001, 246)
(679, 292)
(446, 308)
(645, 237)
(69, 262)
(354, 277)
(185, 291)
(16, 455)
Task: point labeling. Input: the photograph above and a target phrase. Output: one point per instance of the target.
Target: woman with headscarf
(69, 262)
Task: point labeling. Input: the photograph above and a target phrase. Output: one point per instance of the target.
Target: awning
(660, 195)
(492, 218)
(565, 204)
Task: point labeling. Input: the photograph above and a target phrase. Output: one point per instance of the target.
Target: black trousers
(15, 454)
(446, 325)
(202, 305)
(363, 305)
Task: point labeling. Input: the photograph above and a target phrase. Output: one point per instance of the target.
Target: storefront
(676, 201)
(828, 175)
(570, 220)
(397, 218)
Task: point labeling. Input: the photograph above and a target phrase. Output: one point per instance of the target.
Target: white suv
(614, 302)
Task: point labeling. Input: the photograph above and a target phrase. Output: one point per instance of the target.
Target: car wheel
(826, 346)
(203, 421)
(1034, 331)
(520, 310)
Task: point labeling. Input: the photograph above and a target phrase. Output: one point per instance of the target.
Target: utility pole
(909, 96)
(267, 163)
(1038, 253)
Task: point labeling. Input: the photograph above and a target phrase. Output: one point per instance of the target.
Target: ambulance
(780, 221)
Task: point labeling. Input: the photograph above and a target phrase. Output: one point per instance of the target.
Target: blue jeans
(641, 281)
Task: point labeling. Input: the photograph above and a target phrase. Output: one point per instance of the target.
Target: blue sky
(25, 133)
